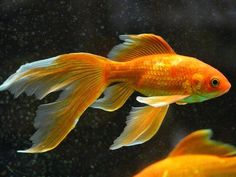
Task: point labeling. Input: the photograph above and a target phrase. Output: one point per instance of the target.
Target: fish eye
(215, 82)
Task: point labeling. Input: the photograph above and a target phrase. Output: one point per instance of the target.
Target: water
(32, 30)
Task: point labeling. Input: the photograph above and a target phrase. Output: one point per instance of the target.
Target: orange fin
(114, 97)
(157, 101)
(80, 76)
(199, 142)
(33, 82)
(138, 46)
(142, 124)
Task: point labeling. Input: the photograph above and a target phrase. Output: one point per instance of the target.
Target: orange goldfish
(196, 156)
(144, 63)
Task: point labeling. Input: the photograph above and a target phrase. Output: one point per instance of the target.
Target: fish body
(144, 63)
(162, 74)
(192, 166)
(212, 163)
(152, 75)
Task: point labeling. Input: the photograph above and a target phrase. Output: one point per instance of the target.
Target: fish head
(208, 83)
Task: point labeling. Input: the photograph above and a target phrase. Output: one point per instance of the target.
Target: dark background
(32, 29)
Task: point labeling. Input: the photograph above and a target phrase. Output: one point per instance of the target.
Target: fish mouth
(226, 91)
(227, 87)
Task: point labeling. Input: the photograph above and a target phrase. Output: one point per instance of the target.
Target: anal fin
(114, 97)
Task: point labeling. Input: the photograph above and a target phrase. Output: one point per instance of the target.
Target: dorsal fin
(199, 142)
(139, 45)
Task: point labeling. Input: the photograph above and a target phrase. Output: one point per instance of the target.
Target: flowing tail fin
(79, 75)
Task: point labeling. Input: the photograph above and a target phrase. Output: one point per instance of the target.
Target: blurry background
(32, 30)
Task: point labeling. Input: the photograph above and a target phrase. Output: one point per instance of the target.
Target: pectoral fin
(181, 103)
(158, 101)
(142, 124)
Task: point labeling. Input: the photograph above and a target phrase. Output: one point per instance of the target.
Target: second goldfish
(196, 156)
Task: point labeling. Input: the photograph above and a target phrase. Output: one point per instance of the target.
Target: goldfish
(196, 156)
(144, 63)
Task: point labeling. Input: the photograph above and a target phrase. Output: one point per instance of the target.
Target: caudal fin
(79, 75)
